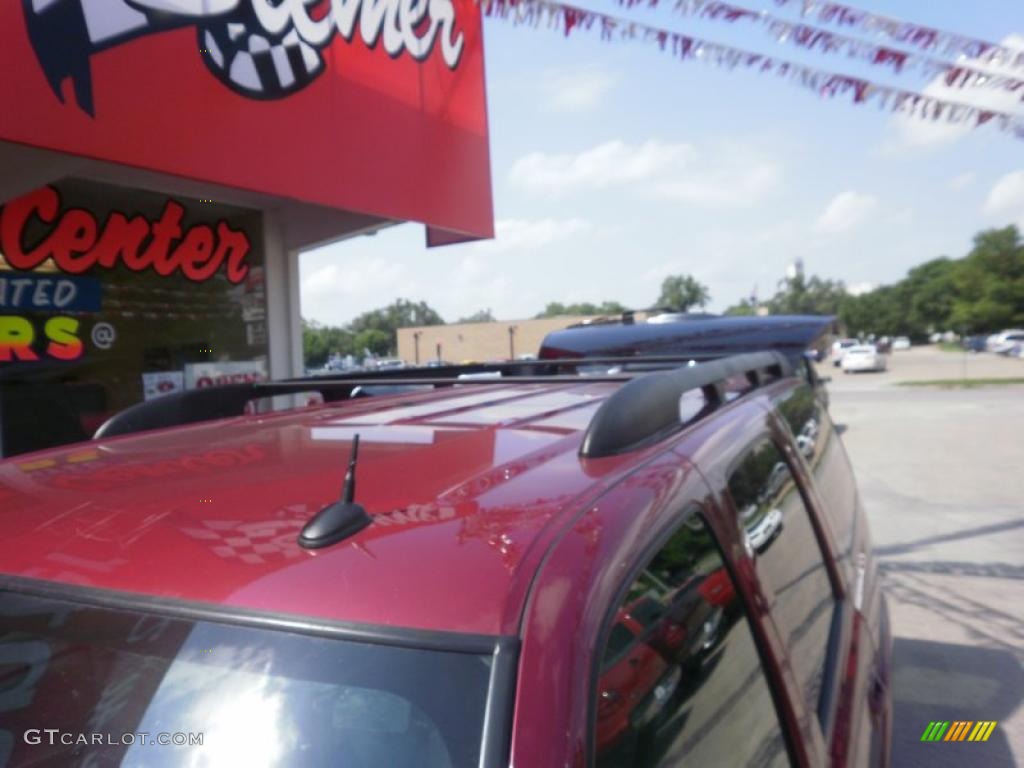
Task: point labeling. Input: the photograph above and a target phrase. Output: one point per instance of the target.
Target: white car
(901, 342)
(805, 445)
(997, 342)
(763, 531)
(863, 357)
(1009, 343)
(839, 347)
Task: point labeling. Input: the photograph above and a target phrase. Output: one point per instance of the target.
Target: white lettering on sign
(394, 22)
(29, 293)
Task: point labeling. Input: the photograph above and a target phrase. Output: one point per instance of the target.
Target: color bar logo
(958, 730)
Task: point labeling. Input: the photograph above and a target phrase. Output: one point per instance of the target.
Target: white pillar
(284, 324)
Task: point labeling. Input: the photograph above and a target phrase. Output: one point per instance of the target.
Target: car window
(788, 560)
(242, 695)
(690, 688)
(818, 442)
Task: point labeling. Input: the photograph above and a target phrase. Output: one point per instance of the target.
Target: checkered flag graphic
(255, 543)
(257, 64)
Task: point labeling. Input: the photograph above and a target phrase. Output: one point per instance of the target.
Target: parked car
(901, 343)
(1009, 343)
(542, 572)
(839, 348)
(863, 357)
(1004, 339)
(975, 343)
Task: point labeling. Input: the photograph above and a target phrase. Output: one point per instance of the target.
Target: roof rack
(646, 410)
(229, 400)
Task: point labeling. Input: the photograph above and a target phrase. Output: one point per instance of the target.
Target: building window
(110, 296)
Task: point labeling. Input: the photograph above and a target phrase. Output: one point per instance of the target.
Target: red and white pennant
(569, 18)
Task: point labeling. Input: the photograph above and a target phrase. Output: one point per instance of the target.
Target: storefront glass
(109, 296)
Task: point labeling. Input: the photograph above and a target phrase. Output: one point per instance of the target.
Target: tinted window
(256, 696)
(818, 441)
(688, 685)
(788, 559)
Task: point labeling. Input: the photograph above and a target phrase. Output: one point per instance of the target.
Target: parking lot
(940, 472)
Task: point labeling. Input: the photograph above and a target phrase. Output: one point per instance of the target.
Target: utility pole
(512, 342)
(416, 341)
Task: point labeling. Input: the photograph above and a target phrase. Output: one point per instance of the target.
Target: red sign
(76, 242)
(374, 106)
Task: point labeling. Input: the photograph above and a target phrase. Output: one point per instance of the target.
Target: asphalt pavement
(941, 474)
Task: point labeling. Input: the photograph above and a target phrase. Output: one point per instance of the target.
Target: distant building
(795, 269)
(482, 342)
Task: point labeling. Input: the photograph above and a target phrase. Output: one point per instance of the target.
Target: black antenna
(339, 519)
(348, 488)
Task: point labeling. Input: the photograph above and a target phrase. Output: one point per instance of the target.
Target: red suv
(538, 569)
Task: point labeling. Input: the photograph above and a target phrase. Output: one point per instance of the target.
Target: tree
(374, 341)
(801, 296)
(744, 307)
(980, 293)
(400, 314)
(680, 293)
(319, 342)
(555, 309)
(481, 316)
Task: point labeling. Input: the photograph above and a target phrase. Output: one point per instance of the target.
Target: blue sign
(30, 292)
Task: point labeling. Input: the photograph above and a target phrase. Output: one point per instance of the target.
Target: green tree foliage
(744, 307)
(400, 314)
(319, 342)
(555, 308)
(980, 293)
(374, 341)
(375, 331)
(481, 316)
(807, 296)
(681, 293)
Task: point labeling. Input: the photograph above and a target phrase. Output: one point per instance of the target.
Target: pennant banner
(569, 18)
(907, 33)
(820, 40)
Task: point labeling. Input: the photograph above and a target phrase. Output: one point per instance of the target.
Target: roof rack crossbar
(646, 410)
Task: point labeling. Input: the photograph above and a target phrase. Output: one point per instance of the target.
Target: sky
(615, 165)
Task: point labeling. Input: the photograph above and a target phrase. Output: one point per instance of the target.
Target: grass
(962, 383)
(950, 346)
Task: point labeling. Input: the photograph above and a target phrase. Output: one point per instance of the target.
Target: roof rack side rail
(219, 402)
(180, 408)
(646, 409)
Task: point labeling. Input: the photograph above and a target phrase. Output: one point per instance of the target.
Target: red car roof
(464, 486)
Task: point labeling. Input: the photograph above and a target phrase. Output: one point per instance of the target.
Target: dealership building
(166, 162)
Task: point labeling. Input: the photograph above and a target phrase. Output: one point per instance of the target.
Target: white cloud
(1006, 198)
(845, 211)
(732, 184)
(723, 175)
(352, 277)
(961, 181)
(613, 163)
(525, 234)
(924, 133)
(576, 91)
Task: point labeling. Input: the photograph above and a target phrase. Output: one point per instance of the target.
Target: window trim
(495, 738)
(764, 657)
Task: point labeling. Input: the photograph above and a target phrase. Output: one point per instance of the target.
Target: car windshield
(234, 695)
